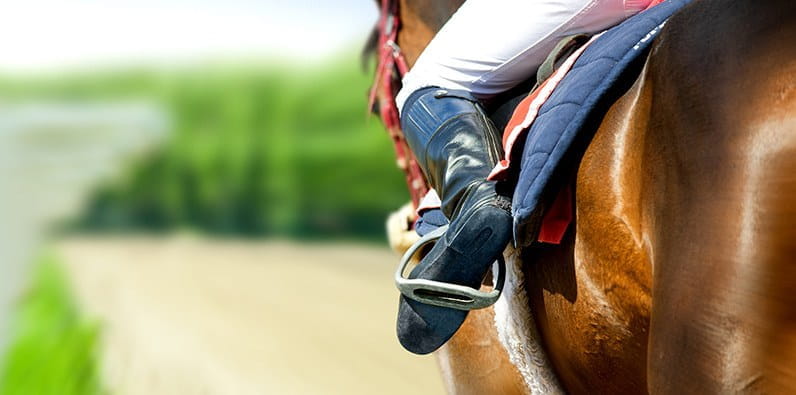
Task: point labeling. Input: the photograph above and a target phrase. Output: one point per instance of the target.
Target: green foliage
(253, 151)
(52, 350)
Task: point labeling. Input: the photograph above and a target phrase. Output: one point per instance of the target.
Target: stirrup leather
(444, 294)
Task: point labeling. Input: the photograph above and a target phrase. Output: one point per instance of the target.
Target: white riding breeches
(490, 46)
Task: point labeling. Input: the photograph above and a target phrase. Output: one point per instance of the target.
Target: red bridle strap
(390, 68)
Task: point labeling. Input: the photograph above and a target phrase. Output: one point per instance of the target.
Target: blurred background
(193, 201)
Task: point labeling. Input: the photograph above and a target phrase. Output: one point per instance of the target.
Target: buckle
(442, 294)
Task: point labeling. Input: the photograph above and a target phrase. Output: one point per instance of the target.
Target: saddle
(552, 125)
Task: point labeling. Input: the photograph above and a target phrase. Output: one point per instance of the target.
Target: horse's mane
(369, 49)
(434, 15)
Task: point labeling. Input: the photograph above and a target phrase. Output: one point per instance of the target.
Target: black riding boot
(457, 146)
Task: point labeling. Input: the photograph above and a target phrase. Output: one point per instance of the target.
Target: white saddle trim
(517, 331)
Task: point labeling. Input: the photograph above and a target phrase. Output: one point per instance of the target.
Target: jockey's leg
(490, 46)
(486, 48)
(457, 146)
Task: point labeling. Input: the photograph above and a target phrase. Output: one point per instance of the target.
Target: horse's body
(679, 273)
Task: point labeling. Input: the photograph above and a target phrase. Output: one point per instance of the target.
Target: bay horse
(679, 273)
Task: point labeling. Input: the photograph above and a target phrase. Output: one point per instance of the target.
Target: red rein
(390, 68)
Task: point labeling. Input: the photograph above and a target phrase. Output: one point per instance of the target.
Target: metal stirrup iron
(443, 294)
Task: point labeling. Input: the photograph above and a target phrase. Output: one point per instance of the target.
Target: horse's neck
(420, 21)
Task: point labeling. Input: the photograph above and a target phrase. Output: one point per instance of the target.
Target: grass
(52, 347)
(254, 150)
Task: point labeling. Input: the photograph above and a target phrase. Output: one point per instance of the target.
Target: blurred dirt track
(188, 315)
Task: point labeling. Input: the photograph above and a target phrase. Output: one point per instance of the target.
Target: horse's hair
(369, 50)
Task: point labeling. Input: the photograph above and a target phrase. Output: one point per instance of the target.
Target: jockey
(486, 48)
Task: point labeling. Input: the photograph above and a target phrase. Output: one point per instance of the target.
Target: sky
(43, 35)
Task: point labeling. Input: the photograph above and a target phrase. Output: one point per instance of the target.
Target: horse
(679, 271)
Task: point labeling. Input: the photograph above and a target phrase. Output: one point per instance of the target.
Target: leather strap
(390, 69)
(566, 47)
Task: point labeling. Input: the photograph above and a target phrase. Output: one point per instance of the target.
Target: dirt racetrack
(186, 315)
